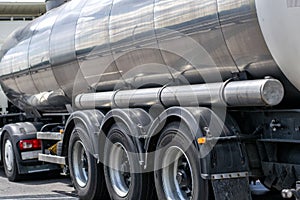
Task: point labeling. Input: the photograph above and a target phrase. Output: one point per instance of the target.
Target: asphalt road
(49, 187)
(37, 187)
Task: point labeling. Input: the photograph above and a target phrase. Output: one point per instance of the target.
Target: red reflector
(30, 144)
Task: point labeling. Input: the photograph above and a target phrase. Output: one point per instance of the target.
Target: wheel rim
(177, 174)
(119, 169)
(80, 164)
(9, 155)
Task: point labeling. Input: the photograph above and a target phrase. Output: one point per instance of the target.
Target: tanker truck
(157, 99)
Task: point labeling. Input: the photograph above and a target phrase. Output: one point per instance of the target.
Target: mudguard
(136, 120)
(219, 154)
(17, 132)
(91, 119)
(198, 119)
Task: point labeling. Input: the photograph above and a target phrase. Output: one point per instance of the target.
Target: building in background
(17, 14)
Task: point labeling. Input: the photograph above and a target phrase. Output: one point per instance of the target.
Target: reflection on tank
(87, 46)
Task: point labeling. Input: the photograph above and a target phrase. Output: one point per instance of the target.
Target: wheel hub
(177, 176)
(84, 162)
(119, 169)
(9, 155)
(80, 163)
(182, 178)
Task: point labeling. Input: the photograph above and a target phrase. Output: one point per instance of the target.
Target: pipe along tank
(87, 46)
(125, 56)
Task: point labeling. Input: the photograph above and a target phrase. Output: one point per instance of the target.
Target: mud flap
(232, 189)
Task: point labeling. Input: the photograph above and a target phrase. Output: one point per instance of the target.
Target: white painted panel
(279, 21)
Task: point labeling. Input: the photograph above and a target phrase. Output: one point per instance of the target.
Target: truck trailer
(156, 99)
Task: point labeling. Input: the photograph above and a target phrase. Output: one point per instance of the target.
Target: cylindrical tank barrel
(90, 46)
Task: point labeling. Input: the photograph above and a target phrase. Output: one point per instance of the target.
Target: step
(49, 136)
(52, 159)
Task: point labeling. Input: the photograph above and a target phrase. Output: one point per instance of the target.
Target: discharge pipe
(262, 92)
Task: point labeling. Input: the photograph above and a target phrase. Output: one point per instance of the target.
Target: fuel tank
(92, 46)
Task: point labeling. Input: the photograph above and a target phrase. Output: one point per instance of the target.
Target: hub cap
(9, 155)
(80, 163)
(119, 169)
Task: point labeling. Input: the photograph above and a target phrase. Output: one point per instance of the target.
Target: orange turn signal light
(202, 140)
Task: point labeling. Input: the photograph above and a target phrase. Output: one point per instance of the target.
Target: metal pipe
(262, 92)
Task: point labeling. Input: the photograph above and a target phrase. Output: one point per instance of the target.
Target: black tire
(177, 166)
(9, 159)
(123, 173)
(87, 179)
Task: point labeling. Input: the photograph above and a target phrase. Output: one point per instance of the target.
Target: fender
(17, 132)
(198, 119)
(219, 156)
(136, 120)
(91, 119)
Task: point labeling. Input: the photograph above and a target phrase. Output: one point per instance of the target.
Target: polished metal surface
(190, 40)
(119, 170)
(80, 163)
(242, 34)
(63, 58)
(61, 160)
(267, 92)
(39, 57)
(262, 92)
(50, 4)
(49, 136)
(91, 46)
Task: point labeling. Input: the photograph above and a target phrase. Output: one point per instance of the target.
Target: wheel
(123, 173)
(87, 176)
(9, 160)
(177, 166)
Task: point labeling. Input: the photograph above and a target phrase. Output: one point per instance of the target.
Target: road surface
(37, 187)
(49, 187)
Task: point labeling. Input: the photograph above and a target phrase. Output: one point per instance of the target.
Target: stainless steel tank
(90, 45)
